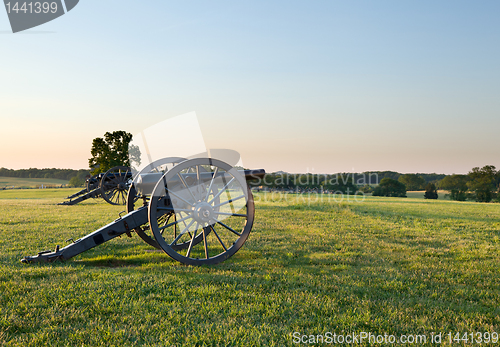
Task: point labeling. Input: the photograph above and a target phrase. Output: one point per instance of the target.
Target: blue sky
(318, 86)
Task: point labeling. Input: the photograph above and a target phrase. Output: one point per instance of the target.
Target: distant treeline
(428, 177)
(480, 184)
(61, 174)
(299, 182)
(343, 182)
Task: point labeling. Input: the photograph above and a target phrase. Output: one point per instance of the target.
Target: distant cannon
(198, 211)
(112, 186)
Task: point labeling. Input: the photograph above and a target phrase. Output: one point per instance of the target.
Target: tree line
(364, 181)
(480, 184)
(61, 174)
(303, 182)
(423, 178)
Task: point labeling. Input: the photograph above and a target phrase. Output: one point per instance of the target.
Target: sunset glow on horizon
(321, 87)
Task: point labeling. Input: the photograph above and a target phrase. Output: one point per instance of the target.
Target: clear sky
(318, 86)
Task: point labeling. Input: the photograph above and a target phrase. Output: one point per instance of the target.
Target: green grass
(17, 182)
(382, 265)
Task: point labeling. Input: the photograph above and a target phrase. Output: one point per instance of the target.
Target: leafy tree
(390, 187)
(483, 183)
(431, 191)
(457, 185)
(366, 189)
(373, 177)
(432, 177)
(76, 182)
(110, 151)
(412, 181)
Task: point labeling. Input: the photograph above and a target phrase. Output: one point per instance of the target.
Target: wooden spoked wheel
(137, 197)
(115, 184)
(209, 199)
(92, 183)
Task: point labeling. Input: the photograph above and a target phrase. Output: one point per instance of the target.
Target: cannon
(198, 211)
(112, 186)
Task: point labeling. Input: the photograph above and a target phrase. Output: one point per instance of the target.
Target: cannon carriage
(112, 186)
(198, 211)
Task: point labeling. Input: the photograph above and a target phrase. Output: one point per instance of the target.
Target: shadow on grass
(113, 261)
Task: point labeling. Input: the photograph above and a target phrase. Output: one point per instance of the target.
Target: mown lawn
(381, 265)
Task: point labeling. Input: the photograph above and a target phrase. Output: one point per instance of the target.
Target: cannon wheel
(160, 165)
(91, 184)
(114, 185)
(220, 208)
(156, 166)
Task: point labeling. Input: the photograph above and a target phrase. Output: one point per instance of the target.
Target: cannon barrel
(146, 182)
(253, 174)
(206, 176)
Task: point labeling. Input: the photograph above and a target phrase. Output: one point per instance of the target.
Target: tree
(366, 189)
(483, 183)
(110, 151)
(431, 191)
(76, 182)
(497, 185)
(456, 185)
(412, 181)
(390, 187)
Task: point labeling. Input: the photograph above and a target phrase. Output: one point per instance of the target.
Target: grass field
(382, 265)
(29, 182)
